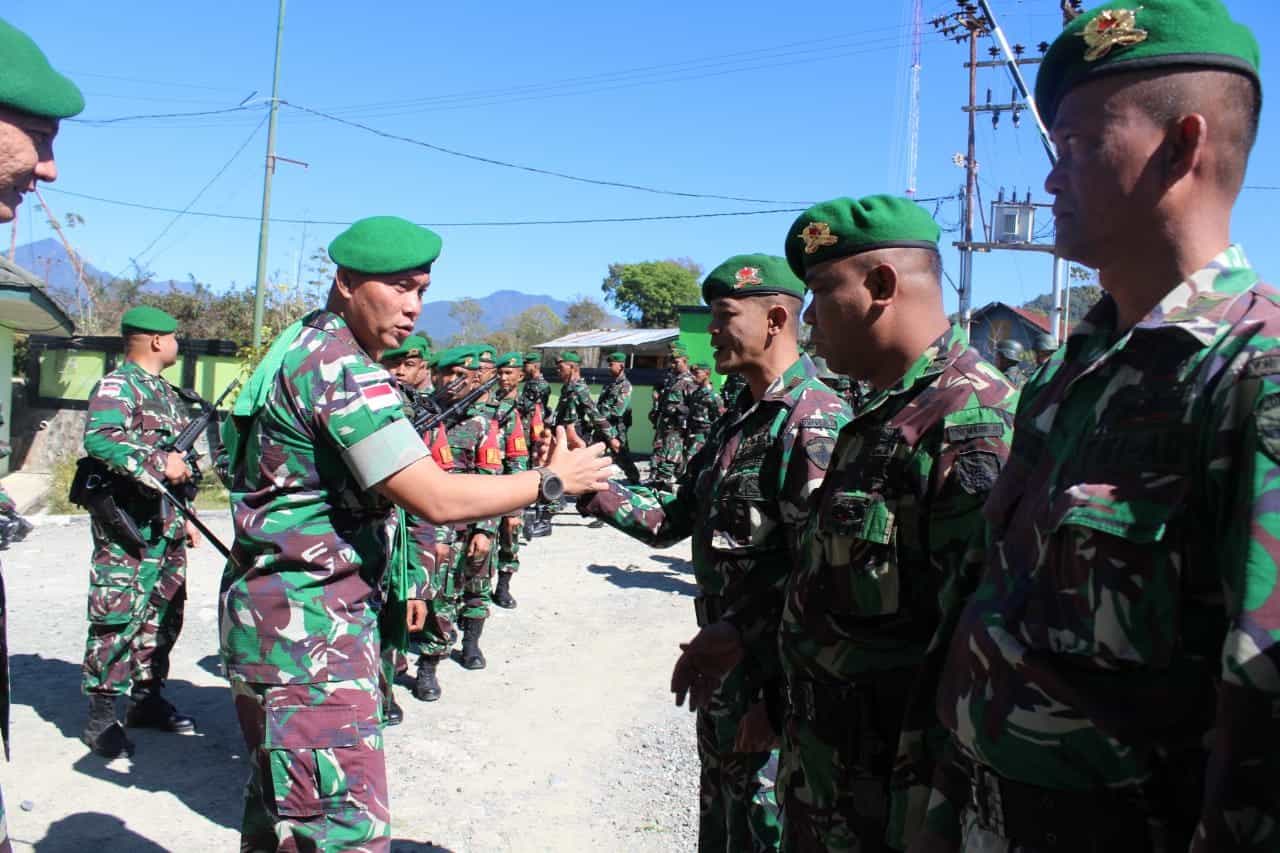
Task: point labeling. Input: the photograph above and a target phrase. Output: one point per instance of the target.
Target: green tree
(1085, 293)
(585, 313)
(648, 293)
(469, 315)
(534, 326)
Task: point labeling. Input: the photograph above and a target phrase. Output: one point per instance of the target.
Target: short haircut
(1230, 101)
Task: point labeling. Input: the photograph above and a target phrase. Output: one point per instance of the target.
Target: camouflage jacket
(704, 409)
(534, 392)
(886, 554)
(310, 531)
(505, 413)
(744, 499)
(476, 447)
(674, 403)
(614, 402)
(422, 535)
(131, 413)
(1129, 609)
(575, 407)
(733, 385)
(1018, 374)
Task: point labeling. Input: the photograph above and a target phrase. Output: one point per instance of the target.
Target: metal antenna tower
(913, 120)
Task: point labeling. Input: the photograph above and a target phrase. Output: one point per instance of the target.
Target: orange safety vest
(489, 456)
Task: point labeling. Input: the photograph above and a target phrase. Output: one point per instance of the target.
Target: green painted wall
(70, 374)
(641, 434)
(694, 320)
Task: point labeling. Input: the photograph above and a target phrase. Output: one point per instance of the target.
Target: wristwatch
(550, 487)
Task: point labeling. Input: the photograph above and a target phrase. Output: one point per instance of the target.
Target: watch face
(552, 487)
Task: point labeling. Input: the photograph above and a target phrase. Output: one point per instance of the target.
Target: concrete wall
(6, 389)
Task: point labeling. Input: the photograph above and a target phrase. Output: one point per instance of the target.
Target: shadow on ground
(634, 577)
(677, 564)
(205, 771)
(102, 833)
(399, 845)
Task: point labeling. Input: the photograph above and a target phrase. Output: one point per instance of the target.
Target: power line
(198, 195)
(344, 222)
(116, 119)
(533, 169)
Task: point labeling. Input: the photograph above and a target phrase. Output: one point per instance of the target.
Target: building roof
(25, 307)
(1035, 318)
(611, 338)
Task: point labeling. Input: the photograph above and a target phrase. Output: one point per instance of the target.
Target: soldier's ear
(882, 282)
(778, 319)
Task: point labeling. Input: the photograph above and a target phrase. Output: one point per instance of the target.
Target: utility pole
(260, 290)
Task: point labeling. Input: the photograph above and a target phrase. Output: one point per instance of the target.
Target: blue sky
(774, 101)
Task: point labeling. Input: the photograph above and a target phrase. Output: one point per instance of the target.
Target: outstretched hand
(581, 469)
(704, 662)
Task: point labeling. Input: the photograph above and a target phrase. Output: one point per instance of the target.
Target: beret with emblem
(454, 357)
(751, 275)
(385, 244)
(677, 349)
(850, 226)
(533, 358)
(414, 346)
(485, 352)
(509, 359)
(701, 365)
(569, 356)
(29, 83)
(619, 357)
(144, 318)
(1143, 35)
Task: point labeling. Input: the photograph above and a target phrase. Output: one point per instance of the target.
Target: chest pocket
(858, 530)
(1109, 584)
(154, 419)
(744, 518)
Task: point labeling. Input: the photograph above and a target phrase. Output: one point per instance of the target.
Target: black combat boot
(103, 733)
(425, 687)
(502, 595)
(392, 713)
(472, 657)
(149, 710)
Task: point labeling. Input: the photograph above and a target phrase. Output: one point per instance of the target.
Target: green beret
(701, 365)
(385, 244)
(509, 359)
(1141, 35)
(414, 346)
(27, 81)
(678, 350)
(751, 275)
(570, 357)
(144, 318)
(847, 226)
(455, 357)
(619, 357)
(484, 352)
(533, 358)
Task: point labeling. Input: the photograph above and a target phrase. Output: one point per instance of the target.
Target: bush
(212, 495)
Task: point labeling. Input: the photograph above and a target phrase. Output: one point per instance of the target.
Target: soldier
(679, 359)
(33, 99)
(534, 395)
(1044, 348)
(320, 450)
(1119, 659)
(575, 410)
(669, 451)
(407, 363)
(138, 578)
(1009, 360)
(704, 409)
(744, 500)
(614, 405)
(505, 411)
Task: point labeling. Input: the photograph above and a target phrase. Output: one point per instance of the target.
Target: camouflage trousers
(735, 812)
(135, 611)
(668, 455)
(318, 778)
(833, 799)
(509, 546)
(442, 610)
(694, 443)
(477, 585)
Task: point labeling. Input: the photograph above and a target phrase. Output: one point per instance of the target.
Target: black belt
(708, 609)
(1049, 819)
(808, 700)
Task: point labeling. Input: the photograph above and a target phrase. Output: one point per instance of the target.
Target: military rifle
(185, 441)
(424, 421)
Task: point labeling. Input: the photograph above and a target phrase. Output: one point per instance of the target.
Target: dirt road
(568, 741)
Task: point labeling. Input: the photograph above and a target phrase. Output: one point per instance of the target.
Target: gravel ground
(568, 741)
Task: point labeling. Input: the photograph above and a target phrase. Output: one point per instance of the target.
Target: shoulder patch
(968, 432)
(819, 451)
(817, 422)
(1263, 365)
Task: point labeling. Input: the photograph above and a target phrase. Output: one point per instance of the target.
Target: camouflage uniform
(704, 409)
(136, 598)
(614, 406)
(515, 458)
(576, 408)
(532, 402)
(744, 500)
(476, 447)
(1017, 374)
(655, 410)
(299, 607)
(1123, 637)
(734, 384)
(882, 558)
(669, 454)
